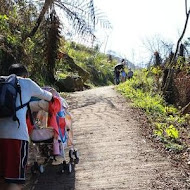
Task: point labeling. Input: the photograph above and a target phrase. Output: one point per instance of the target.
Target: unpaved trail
(113, 153)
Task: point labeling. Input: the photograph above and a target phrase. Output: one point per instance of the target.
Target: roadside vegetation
(162, 92)
(168, 124)
(97, 64)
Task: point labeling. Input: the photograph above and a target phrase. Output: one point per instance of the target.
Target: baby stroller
(52, 132)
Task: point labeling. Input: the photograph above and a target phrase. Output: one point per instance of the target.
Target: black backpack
(9, 89)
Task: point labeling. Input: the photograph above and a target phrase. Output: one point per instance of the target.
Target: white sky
(134, 21)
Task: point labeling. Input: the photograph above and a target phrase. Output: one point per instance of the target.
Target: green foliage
(34, 41)
(101, 71)
(28, 45)
(175, 147)
(6, 31)
(166, 121)
(156, 70)
(159, 129)
(3, 23)
(139, 89)
(172, 132)
(61, 75)
(180, 63)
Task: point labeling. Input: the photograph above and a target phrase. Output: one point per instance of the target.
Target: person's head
(19, 70)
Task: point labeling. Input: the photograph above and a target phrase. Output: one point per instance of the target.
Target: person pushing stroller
(14, 137)
(118, 70)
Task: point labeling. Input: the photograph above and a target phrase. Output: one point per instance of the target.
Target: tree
(173, 60)
(187, 11)
(42, 33)
(158, 60)
(80, 13)
(159, 46)
(52, 44)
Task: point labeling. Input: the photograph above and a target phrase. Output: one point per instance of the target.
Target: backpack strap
(15, 118)
(22, 106)
(19, 90)
(29, 112)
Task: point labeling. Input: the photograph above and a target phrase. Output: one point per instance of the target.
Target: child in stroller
(52, 131)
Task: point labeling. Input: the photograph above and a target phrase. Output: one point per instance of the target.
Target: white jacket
(8, 128)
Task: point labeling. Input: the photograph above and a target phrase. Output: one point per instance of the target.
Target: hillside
(86, 65)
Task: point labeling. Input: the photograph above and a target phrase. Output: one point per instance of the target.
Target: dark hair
(18, 69)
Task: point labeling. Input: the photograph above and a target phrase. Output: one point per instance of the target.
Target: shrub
(166, 121)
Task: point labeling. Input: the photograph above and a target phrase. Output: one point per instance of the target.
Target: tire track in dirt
(113, 153)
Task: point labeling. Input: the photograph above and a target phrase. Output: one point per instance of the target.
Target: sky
(134, 22)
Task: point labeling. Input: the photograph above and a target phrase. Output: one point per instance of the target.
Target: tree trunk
(47, 4)
(173, 62)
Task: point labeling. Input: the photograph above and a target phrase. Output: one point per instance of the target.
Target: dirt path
(113, 153)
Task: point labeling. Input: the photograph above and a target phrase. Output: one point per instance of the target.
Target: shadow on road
(52, 179)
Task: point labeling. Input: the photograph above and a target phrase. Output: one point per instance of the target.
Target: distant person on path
(117, 75)
(123, 62)
(123, 75)
(14, 137)
(130, 74)
(118, 70)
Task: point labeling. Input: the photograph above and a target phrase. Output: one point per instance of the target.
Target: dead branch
(185, 109)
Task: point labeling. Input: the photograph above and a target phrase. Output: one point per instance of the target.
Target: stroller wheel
(71, 152)
(34, 168)
(41, 169)
(64, 166)
(76, 154)
(69, 168)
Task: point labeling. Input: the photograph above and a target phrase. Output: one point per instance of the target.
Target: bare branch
(181, 37)
(186, 7)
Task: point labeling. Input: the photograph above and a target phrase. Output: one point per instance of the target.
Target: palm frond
(83, 15)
